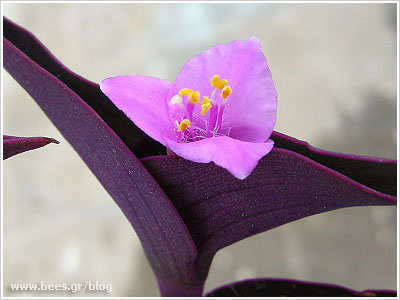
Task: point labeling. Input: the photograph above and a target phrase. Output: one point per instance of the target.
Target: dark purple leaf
(285, 186)
(376, 173)
(274, 287)
(206, 208)
(13, 145)
(90, 92)
(165, 238)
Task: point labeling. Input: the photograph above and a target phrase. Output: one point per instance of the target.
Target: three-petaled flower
(221, 107)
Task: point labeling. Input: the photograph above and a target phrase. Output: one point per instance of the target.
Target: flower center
(207, 122)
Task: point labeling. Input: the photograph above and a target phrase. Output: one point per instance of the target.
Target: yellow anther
(226, 92)
(185, 124)
(205, 105)
(183, 92)
(194, 97)
(219, 84)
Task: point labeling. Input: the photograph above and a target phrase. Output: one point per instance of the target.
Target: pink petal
(251, 109)
(238, 157)
(143, 100)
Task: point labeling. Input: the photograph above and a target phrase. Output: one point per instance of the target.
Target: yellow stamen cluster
(194, 97)
(185, 124)
(218, 84)
(205, 105)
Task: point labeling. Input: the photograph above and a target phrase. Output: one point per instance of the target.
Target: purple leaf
(377, 173)
(284, 187)
(274, 287)
(13, 145)
(182, 211)
(165, 238)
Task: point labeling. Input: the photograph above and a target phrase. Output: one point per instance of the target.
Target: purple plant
(183, 211)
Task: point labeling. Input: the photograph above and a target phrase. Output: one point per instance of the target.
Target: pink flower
(221, 107)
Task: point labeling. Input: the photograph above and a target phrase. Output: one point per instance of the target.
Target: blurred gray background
(334, 67)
